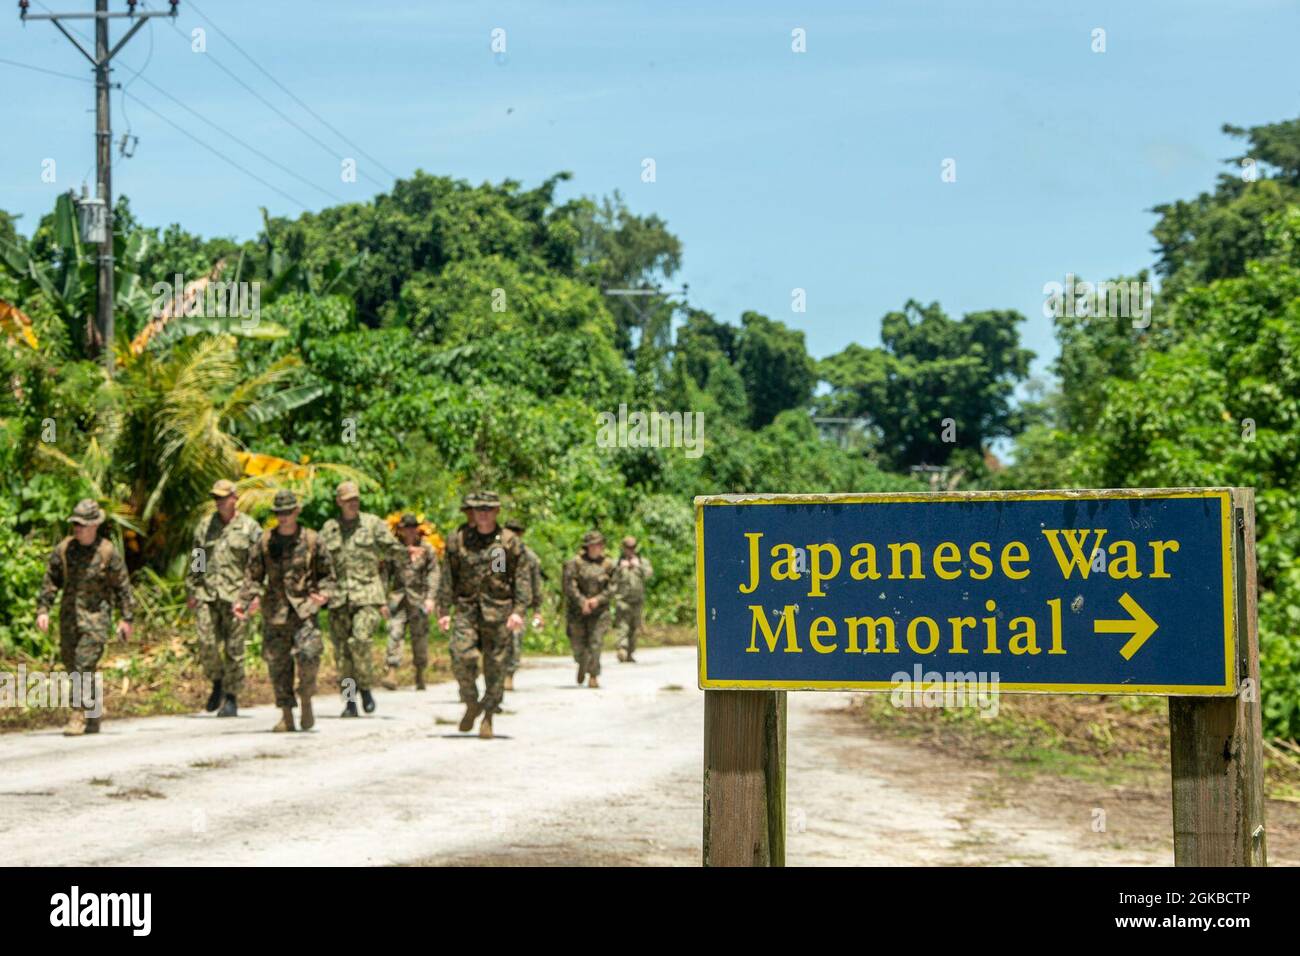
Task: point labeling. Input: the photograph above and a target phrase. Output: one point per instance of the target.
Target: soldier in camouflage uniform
(93, 577)
(290, 575)
(413, 584)
(534, 585)
(587, 579)
(359, 544)
(216, 575)
(485, 581)
(630, 575)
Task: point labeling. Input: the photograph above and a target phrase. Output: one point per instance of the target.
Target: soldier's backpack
(103, 554)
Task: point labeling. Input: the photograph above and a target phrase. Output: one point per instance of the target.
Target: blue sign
(1114, 592)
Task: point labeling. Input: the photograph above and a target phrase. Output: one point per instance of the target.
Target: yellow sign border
(1227, 538)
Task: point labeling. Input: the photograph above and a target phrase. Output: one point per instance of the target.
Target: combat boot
(76, 725)
(214, 699)
(582, 675)
(510, 682)
(367, 702)
(308, 718)
(593, 682)
(286, 721)
(419, 678)
(485, 728)
(92, 725)
(622, 656)
(472, 710)
(230, 708)
(390, 679)
(350, 710)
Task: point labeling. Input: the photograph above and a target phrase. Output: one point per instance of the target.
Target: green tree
(937, 385)
(775, 366)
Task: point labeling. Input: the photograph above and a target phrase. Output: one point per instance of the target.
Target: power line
(125, 94)
(98, 219)
(220, 155)
(135, 76)
(41, 69)
(236, 138)
(287, 92)
(278, 112)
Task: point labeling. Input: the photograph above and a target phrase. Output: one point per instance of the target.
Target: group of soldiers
(480, 592)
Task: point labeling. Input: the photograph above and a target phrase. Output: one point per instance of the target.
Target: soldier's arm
(120, 581)
(390, 577)
(444, 587)
(254, 572)
(535, 581)
(522, 584)
(323, 568)
(51, 583)
(432, 578)
(192, 579)
(571, 582)
(392, 549)
(647, 569)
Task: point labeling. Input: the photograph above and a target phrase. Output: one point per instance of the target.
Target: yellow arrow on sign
(1140, 625)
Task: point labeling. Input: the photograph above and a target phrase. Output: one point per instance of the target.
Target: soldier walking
(289, 573)
(359, 543)
(587, 579)
(216, 575)
(93, 577)
(535, 586)
(413, 583)
(485, 582)
(630, 575)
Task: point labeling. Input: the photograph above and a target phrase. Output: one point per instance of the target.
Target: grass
(1106, 740)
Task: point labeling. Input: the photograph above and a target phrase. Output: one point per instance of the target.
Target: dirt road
(577, 776)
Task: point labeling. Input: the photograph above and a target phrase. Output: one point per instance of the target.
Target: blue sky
(778, 170)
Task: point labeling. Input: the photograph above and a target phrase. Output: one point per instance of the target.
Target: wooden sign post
(744, 778)
(1216, 746)
(1124, 591)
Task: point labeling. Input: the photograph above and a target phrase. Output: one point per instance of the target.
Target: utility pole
(102, 229)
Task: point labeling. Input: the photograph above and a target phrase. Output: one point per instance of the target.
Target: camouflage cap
(592, 537)
(285, 500)
(481, 499)
(630, 543)
(408, 520)
(515, 525)
(346, 491)
(87, 511)
(223, 488)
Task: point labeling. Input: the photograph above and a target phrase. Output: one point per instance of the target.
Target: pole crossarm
(104, 297)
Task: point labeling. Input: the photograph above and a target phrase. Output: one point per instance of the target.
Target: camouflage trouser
(221, 638)
(473, 639)
(81, 647)
(412, 615)
(282, 645)
(627, 625)
(516, 651)
(352, 632)
(587, 635)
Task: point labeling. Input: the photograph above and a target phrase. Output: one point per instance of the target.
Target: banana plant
(286, 273)
(68, 280)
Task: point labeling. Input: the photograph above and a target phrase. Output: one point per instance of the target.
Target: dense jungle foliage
(445, 336)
